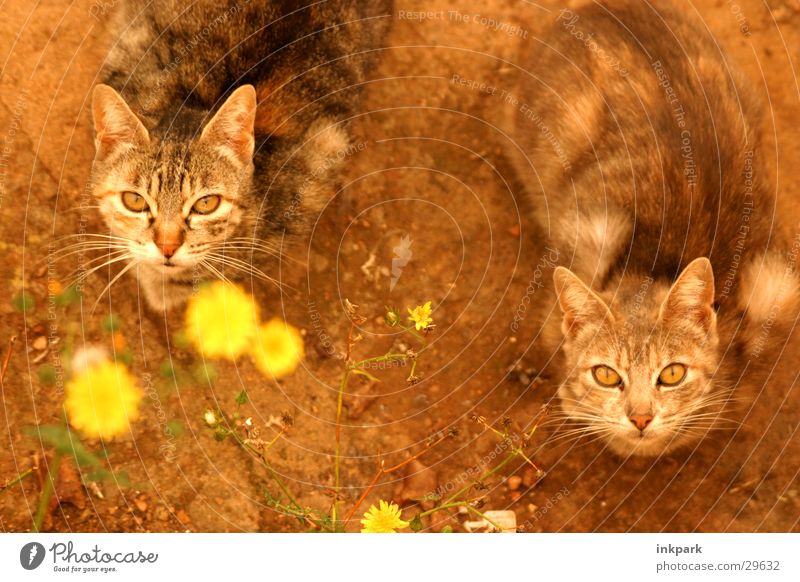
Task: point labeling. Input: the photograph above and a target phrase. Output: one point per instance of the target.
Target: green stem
(483, 517)
(469, 507)
(483, 477)
(383, 358)
(337, 455)
(18, 478)
(413, 332)
(443, 507)
(49, 487)
(278, 481)
(413, 369)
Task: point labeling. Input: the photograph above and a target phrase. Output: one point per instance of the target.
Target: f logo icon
(31, 555)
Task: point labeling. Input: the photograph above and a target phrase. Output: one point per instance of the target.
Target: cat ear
(581, 306)
(692, 296)
(115, 125)
(231, 129)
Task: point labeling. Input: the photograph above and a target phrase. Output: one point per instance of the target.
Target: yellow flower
(421, 315)
(278, 348)
(221, 321)
(383, 520)
(102, 400)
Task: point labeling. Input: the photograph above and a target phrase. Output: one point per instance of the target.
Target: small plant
(386, 516)
(101, 400)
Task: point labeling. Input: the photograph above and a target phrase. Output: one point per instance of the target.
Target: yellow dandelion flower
(383, 520)
(421, 315)
(102, 400)
(221, 321)
(278, 348)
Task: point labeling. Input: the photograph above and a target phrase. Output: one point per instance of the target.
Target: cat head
(640, 366)
(169, 202)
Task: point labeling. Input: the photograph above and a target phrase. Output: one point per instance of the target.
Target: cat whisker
(89, 263)
(251, 241)
(247, 268)
(576, 433)
(114, 280)
(255, 241)
(82, 248)
(252, 248)
(84, 276)
(573, 419)
(91, 236)
(214, 271)
(566, 439)
(86, 251)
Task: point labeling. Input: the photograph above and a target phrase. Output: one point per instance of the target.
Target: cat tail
(769, 296)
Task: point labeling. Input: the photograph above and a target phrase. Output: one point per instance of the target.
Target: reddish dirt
(435, 166)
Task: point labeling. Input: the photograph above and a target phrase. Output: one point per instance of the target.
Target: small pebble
(514, 482)
(141, 504)
(528, 476)
(40, 343)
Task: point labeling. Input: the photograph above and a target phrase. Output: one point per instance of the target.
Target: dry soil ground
(435, 166)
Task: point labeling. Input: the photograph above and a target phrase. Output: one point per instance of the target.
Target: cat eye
(672, 375)
(606, 377)
(207, 204)
(134, 202)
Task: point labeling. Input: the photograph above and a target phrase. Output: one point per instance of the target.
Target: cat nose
(641, 421)
(168, 239)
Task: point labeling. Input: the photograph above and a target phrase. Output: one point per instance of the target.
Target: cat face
(171, 205)
(640, 373)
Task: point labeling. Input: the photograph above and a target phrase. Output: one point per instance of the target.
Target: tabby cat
(219, 130)
(645, 165)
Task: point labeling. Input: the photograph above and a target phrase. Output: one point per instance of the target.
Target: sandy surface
(435, 166)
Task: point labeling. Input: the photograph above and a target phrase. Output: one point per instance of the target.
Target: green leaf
(47, 374)
(64, 442)
(110, 323)
(68, 296)
(167, 369)
(123, 478)
(205, 373)
(125, 356)
(416, 523)
(428, 497)
(364, 373)
(447, 529)
(181, 340)
(241, 397)
(23, 302)
(175, 428)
